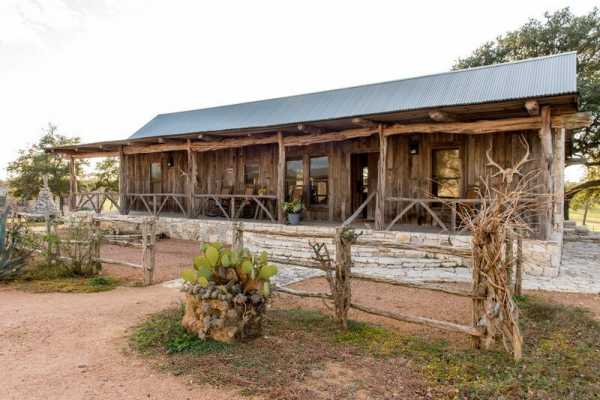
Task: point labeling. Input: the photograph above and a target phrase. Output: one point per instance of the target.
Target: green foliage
(163, 332)
(222, 266)
(106, 175)
(26, 172)
(14, 242)
(74, 239)
(293, 207)
(558, 32)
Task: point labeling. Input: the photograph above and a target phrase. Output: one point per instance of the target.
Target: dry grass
(304, 356)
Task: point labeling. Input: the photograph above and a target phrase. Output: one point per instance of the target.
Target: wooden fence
(339, 274)
(94, 242)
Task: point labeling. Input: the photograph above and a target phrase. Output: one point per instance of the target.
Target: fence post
(237, 236)
(343, 265)
(518, 291)
(509, 258)
(148, 256)
(478, 305)
(95, 246)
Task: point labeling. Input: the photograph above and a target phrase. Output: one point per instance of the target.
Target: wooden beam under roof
(311, 129)
(365, 123)
(442, 116)
(566, 121)
(532, 107)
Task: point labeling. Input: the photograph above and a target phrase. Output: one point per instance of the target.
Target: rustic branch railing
(425, 203)
(245, 199)
(158, 201)
(341, 268)
(96, 200)
(360, 208)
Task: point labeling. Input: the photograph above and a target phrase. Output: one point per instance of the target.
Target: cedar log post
(343, 265)
(148, 256)
(189, 181)
(72, 185)
(558, 182)
(237, 236)
(546, 168)
(280, 178)
(123, 201)
(381, 167)
(478, 303)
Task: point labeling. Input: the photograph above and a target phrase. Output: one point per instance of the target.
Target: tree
(558, 32)
(107, 174)
(26, 172)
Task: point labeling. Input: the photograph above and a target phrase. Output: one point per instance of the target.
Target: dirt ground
(74, 346)
(172, 256)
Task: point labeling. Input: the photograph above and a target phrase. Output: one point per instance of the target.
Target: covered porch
(388, 176)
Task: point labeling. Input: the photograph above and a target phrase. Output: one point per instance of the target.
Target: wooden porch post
(280, 178)
(190, 182)
(547, 171)
(123, 201)
(72, 185)
(381, 167)
(558, 178)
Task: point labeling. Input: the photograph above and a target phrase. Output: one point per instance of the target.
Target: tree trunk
(585, 211)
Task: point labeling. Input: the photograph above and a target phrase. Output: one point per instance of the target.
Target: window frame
(154, 181)
(309, 191)
(288, 195)
(459, 178)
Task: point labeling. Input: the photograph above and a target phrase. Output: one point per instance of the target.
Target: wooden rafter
(442, 116)
(311, 129)
(365, 123)
(532, 107)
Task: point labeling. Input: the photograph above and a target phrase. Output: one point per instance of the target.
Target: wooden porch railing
(155, 202)
(96, 200)
(244, 199)
(425, 203)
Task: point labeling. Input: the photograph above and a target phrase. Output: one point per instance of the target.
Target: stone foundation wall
(541, 258)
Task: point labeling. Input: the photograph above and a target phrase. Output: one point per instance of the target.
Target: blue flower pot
(293, 219)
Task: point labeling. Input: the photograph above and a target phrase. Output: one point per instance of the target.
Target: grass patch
(43, 278)
(68, 285)
(561, 360)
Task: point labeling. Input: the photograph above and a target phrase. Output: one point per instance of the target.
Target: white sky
(100, 69)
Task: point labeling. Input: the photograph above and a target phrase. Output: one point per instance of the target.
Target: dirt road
(71, 346)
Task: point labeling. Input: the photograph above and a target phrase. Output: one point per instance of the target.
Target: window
(319, 180)
(294, 179)
(156, 177)
(251, 174)
(446, 173)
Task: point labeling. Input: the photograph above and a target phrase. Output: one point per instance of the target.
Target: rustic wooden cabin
(404, 154)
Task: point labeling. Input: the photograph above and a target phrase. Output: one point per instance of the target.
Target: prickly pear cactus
(227, 293)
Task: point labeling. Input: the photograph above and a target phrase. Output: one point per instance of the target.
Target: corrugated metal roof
(536, 77)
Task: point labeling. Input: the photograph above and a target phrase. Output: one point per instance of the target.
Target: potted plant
(294, 210)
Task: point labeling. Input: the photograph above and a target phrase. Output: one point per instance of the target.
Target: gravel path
(72, 346)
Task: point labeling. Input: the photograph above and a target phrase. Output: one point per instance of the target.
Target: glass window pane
(251, 174)
(156, 177)
(446, 173)
(319, 180)
(294, 179)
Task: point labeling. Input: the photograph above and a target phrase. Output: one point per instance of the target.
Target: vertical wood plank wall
(406, 175)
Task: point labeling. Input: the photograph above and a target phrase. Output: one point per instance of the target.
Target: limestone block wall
(541, 258)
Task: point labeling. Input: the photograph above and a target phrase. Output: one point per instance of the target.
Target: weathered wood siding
(406, 175)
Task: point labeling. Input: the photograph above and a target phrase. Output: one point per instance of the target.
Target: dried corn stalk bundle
(499, 221)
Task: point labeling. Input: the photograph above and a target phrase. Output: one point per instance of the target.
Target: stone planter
(225, 320)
